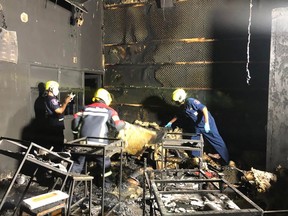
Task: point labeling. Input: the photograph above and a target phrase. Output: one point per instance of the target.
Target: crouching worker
(202, 121)
(96, 120)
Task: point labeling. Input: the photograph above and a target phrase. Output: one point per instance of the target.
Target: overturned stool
(75, 180)
(52, 203)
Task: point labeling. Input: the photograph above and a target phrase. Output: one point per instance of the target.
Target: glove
(127, 125)
(207, 127)
(168, 125)
(71, 95)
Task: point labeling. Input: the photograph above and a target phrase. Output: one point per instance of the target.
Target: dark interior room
(189, 92)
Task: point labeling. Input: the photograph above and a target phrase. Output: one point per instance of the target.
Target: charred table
(184, 142)
(197, 195)
(84, 146)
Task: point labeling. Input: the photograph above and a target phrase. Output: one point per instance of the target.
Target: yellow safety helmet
(51, 84)
(104, 95)
(179, 95)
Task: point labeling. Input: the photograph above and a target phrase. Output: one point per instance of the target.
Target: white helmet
(179, 95)
(52, 86)
(104, 95)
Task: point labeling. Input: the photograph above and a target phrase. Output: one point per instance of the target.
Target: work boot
(108, 183)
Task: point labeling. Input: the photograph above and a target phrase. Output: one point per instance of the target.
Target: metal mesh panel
(186, 20)
(178, 46)
(131, 75)
(181, 52)
(196, 76)
(134, 24)
(174, 51)
(125, 25)
(190, 76)
(114, 23)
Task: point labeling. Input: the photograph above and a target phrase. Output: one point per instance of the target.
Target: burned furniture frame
(186, 144)
(76, 179)
(100, 149)
(28, 157)
(219, 185)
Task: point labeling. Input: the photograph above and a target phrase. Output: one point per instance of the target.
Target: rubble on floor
(132, 200)
(135, 197)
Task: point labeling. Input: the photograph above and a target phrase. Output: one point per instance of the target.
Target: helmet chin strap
(53, 92)
(181, 99)
(179, 102)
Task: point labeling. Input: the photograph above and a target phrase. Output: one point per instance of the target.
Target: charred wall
(277, 126)
(47, 45)
(200, 46)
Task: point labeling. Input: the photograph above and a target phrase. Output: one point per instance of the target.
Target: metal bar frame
(115, 146)
(254, 211)
(176, 144)
(27, 158)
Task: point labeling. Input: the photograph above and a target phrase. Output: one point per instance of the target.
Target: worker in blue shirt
(202, 121)
(54, 116)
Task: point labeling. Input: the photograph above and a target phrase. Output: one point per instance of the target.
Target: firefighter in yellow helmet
(202, 121)
(179, 96)
(54, 116)
(102, 94)
(52, 86)
(96, 120)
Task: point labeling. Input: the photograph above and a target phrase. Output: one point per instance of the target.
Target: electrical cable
(248, 43)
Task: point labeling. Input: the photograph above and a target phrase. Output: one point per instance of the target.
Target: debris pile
(260, 179)
(136, 138)
(144, 155)
(187, 203)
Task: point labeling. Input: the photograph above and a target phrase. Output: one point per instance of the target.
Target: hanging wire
(248, 43)
(2, 17)
(164, 2)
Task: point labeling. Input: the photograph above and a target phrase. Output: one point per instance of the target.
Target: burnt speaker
(166, 3)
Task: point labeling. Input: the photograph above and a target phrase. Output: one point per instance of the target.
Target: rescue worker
(96, 120)
(54, 116)
(202, 121)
